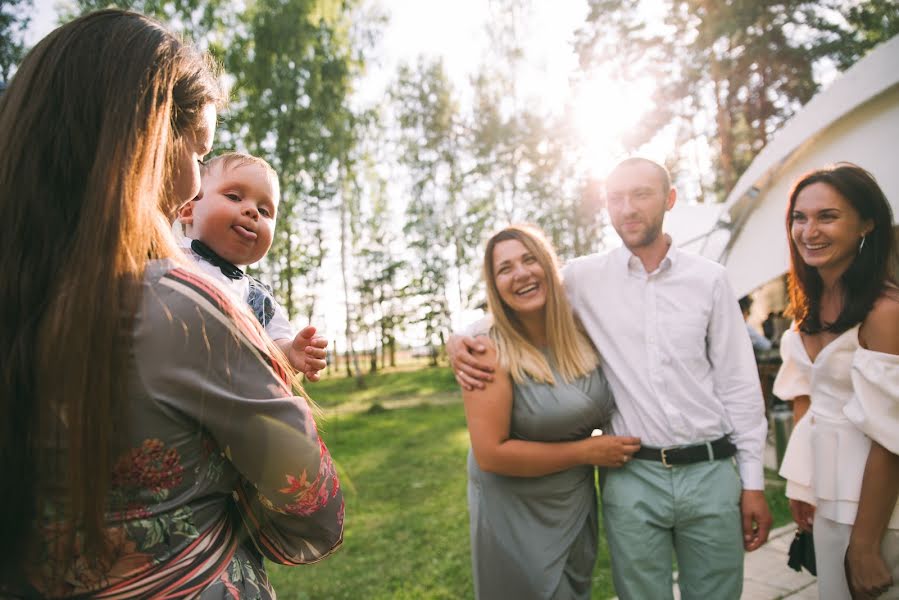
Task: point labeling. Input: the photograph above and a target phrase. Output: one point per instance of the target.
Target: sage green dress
(536, 537)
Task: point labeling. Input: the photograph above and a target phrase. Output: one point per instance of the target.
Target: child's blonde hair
(232, 160)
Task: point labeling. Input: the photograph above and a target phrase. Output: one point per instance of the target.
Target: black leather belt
(687, 455)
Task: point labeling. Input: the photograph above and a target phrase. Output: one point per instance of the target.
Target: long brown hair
(870, 271)
(572, 352)
(89, 129)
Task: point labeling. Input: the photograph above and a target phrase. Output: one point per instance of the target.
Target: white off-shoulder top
(854, 398)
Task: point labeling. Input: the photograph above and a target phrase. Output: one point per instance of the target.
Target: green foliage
(525, 160)
(746, 65)
(866, 25)
(428, 122)
(292, 72)
(203, 21)
(778, 503)
(14, 20)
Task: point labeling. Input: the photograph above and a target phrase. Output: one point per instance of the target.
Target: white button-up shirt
(675, 349)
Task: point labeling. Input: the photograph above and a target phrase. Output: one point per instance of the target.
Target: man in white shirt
(678, 358)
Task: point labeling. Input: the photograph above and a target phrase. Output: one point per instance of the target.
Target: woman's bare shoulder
(881, 325)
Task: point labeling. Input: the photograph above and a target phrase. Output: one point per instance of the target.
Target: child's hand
(307, 353)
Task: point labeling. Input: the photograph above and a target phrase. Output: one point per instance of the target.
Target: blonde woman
(531, 486)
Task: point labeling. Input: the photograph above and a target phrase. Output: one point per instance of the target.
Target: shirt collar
(635, 267)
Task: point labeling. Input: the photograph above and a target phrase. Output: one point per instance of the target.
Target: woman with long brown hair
(841, 369)
(152, 443)
(531, 475)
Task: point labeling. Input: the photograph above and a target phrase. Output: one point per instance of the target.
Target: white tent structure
(856, 119)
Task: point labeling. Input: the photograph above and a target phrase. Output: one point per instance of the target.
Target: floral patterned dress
(222, 464)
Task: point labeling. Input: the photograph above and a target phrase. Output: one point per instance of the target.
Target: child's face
(235, 213)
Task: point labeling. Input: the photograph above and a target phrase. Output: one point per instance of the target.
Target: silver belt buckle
(665, 458)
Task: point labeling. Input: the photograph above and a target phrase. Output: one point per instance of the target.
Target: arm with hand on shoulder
(466, 352)
(488, 411)
(867, 573)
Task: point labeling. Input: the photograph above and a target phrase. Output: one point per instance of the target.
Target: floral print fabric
(222, 464)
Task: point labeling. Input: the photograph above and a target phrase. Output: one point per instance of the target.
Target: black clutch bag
(802, 552)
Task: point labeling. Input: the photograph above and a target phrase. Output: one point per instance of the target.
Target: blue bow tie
(209, 255)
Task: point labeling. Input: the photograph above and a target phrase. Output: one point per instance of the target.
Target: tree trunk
(352, 363)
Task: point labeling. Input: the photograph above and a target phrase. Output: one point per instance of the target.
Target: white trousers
(831, 541)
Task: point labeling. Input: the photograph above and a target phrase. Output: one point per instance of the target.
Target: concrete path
(766, 575)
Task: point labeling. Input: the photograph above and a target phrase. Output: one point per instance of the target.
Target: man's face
(637, 200)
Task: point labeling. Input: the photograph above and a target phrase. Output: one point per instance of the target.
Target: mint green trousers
(653, 514)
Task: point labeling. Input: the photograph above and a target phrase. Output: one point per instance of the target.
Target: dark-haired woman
(841, 368)
(152, 442)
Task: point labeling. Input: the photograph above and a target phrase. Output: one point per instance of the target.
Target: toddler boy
(229, 225)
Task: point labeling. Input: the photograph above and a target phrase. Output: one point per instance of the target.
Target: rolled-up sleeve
(204, 358)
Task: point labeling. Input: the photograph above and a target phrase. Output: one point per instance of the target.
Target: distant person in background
(531, 476)
(768, 326)
(759, 342)
(153, 443)
(841, 367)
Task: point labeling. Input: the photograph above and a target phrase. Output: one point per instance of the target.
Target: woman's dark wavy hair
(864, 280)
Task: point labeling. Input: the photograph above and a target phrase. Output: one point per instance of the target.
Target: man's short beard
(646, 239)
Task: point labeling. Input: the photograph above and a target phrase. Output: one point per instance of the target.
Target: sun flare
(603, 110)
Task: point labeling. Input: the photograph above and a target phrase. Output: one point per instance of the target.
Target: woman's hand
(866, 571)
(609, 450)
(803, 513)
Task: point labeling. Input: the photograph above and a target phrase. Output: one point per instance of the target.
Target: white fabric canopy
(856, 119)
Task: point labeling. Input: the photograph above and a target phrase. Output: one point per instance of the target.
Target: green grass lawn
(406, 535)
(393, 384)
(404, 478)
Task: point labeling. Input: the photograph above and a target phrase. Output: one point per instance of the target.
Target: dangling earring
(862, 243)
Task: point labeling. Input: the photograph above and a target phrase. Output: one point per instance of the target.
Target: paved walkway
(766, 575)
